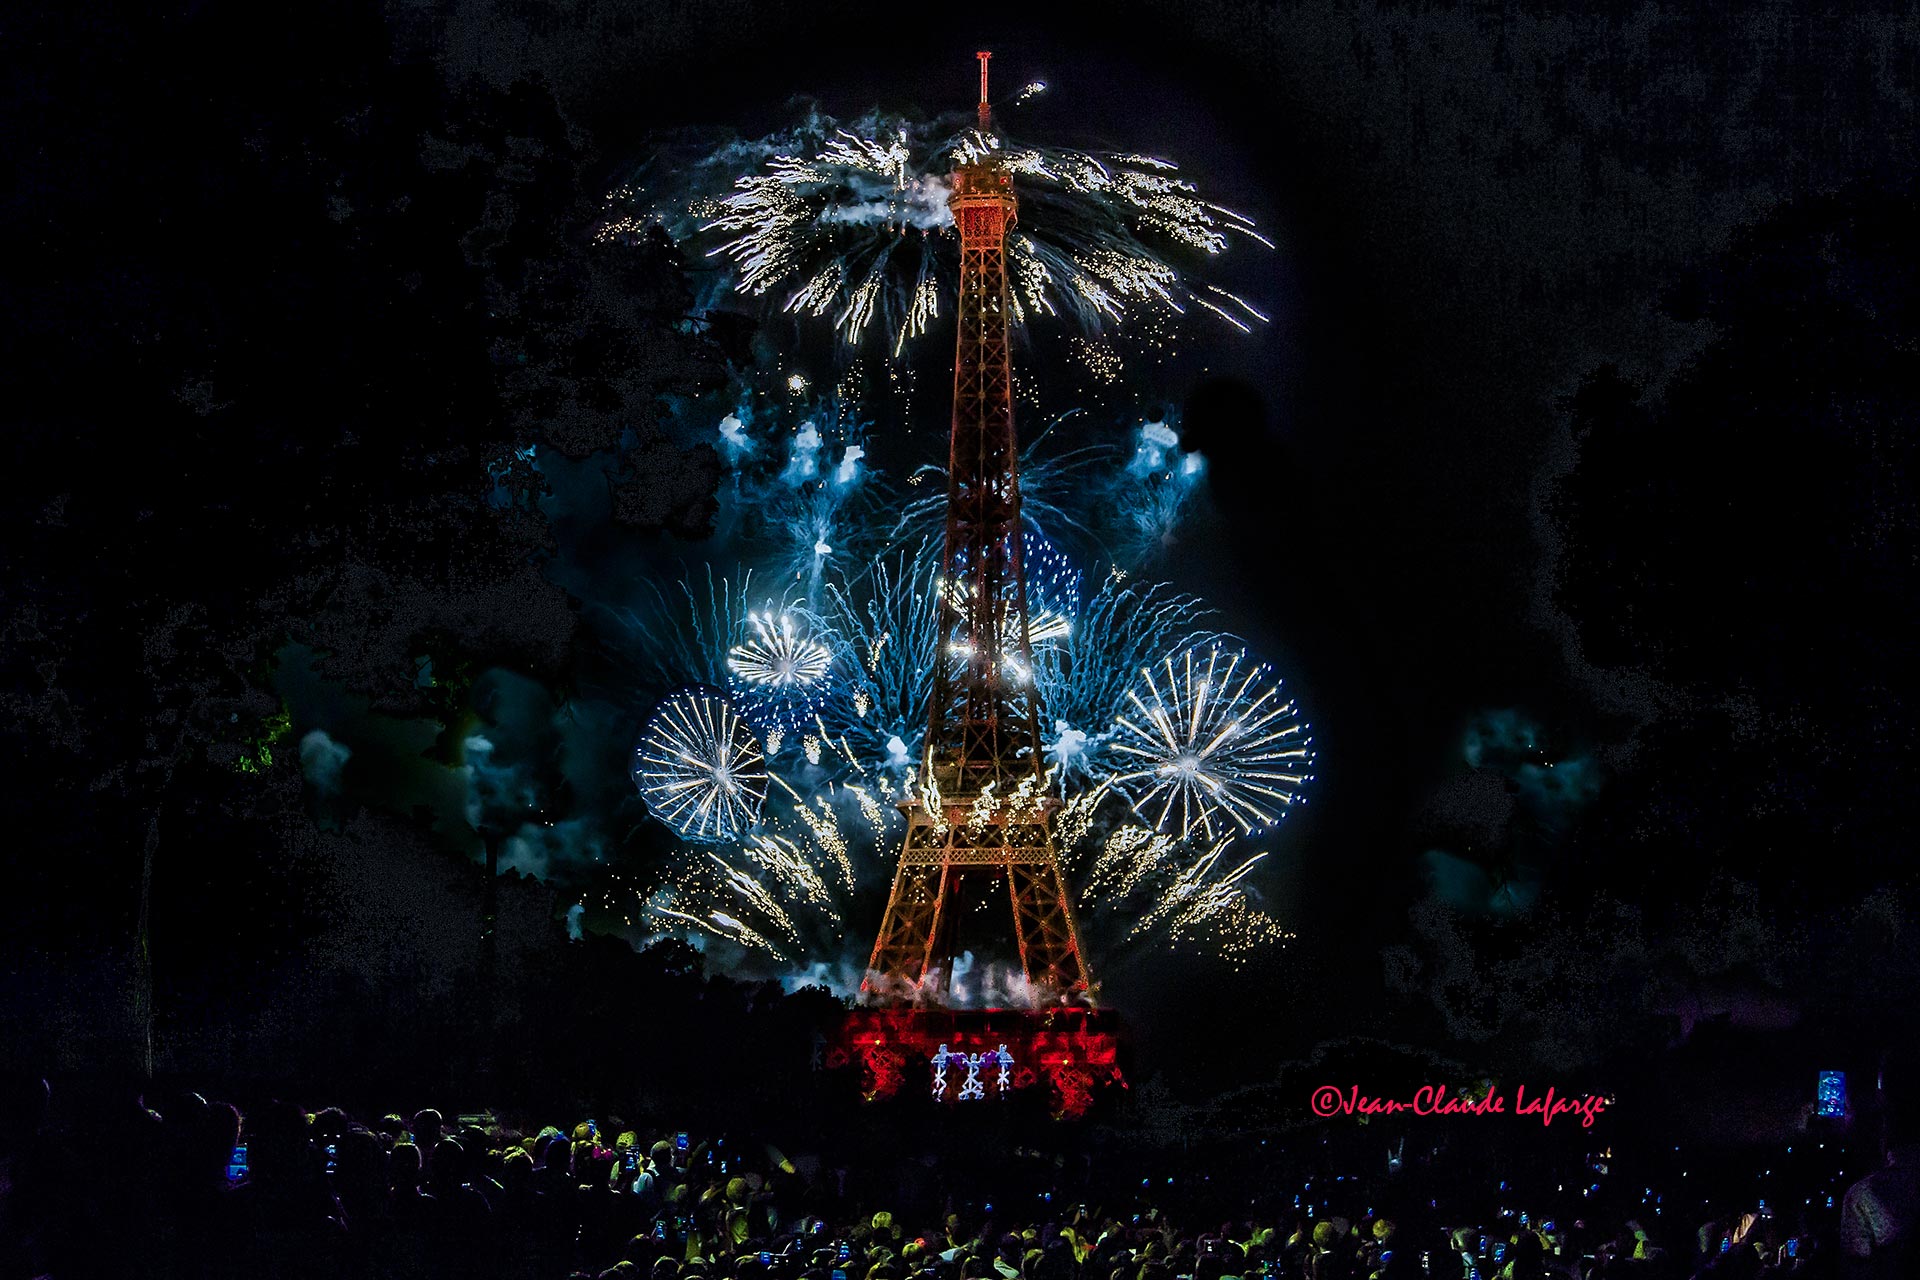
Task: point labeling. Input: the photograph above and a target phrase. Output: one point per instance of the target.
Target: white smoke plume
(322, 760)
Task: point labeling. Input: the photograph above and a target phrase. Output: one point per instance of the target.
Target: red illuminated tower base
(989, 1054)
(981, 828)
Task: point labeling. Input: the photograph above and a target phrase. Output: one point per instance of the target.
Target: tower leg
(1043, 917)
(906, 930)
(941, 919)
(1020, 933)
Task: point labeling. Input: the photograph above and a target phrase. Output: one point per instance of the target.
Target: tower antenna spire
(986, 112)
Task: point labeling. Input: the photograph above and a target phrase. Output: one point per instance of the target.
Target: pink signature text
(1437, 1100)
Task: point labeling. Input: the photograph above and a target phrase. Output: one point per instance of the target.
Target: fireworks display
(797, 662)
(1085, 678)
(1052, 594)
(779, 678)
(888, 618)
(1185, 897)
(849, 224)
(782, 888)
(1210, 745)
(1053, 590)
(1204, 905)
(699, 767)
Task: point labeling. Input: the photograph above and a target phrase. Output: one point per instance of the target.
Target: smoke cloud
(322, 760)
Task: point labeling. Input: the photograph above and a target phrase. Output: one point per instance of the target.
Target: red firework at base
(968, 1055)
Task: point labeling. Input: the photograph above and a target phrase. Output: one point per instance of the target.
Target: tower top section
(982, 194)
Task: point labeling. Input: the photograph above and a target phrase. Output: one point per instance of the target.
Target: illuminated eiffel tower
(984, 810)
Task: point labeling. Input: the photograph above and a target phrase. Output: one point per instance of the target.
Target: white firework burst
(780, 677)
(851, 224)
(700, 768)
(1208, 743)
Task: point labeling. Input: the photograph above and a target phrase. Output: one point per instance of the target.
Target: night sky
(1571, 486)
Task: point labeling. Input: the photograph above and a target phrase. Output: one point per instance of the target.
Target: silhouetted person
(426, 1133)
(1526, 1259)
(1330, 1260)
(27, 1221)
(197, 1142)
(282, 1221)
(462, 1231)
(1880, 1217)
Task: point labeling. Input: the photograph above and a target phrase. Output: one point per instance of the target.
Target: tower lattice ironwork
(984, 808)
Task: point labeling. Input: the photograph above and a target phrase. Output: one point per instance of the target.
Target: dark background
(1583, 438)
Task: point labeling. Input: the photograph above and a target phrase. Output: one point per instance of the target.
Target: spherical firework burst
(852, 223)
(779, 677)
(1208, 743)
(699, 767)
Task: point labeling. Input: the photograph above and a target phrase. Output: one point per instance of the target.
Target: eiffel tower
(984, 810)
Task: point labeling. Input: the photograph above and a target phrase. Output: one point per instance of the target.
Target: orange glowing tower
(984, 812)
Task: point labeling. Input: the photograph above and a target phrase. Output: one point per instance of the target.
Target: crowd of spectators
(196, 1189)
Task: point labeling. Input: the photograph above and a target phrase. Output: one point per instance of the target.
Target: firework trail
(801, 494)
(1126, 859)
(1156, 890)
(888, 621)
(789, 865)
(1206, 907)
(755, 896)
(783, 889)
(1209, 743)
(1085, 678)
(849, 224)
(680, 636)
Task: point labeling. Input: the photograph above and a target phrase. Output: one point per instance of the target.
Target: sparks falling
(782, 888)
(1052, 594)
(848, 225)
(1167, 893)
